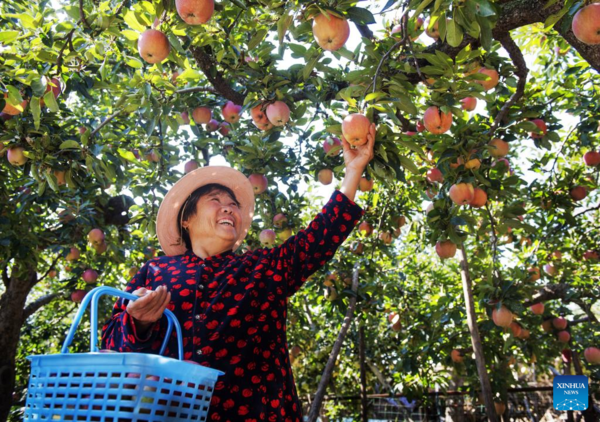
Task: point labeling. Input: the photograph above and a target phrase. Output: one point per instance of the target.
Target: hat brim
(167, 228)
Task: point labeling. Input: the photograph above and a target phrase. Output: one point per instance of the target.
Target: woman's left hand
(357, 158)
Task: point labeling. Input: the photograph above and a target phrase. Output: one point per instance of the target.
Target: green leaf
(130, 35)
(389, 4)
(41, 188)
(527, 126)
(283, 24)
(454, 34)
(50, 102)
(257, 39)
(408, 164)
(484, 8)
(463, 54)
(7, 37)
(51, 179)
(486, 32)
(405, 104)
(70, 181)
(26, 19)
(135, 63)
(38, 85)
(190, 75)
(14, 96)
(70, 144)
(344, 95)
(219, 55)
(413, 146)
(34, 105)
(310, 66)
(422, 7)
(73, 12)
(552, 19)
(360, 16)
(128, 155)
(132, 21)
(374, 96)
(297, 49)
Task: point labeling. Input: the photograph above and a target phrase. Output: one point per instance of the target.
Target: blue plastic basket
(117, 387)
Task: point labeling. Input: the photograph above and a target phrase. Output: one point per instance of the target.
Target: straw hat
(167, 226)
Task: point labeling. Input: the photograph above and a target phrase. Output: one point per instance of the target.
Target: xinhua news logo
(570, 392)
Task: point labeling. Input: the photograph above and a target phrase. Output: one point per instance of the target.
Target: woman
(232, 308)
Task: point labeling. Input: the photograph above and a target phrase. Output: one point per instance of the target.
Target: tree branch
(494, 239)
(484, 380)
(519, 61)
(579, 321)
(203, 57)
(59, 60)
(587, 309)
(549, 292)
(5, 277)
(403, 41)
(54, 261)
(365, 31)
(517, 13)
(196, 89)
(82, 15)
(123, 3)
(595, 207)
(325, 378)
(34, 306)
(104, 123)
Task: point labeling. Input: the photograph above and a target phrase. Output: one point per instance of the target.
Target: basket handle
(93, 297)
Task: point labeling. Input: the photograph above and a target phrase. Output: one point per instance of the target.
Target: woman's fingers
(371, 141)
(151, 304)
(158, 305)
(372, 133)
(160, 309)
(345, 144)
(140, 292)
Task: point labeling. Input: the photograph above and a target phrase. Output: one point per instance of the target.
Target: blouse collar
(190, 253)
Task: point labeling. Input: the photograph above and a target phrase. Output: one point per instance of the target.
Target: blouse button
(198, 352)
(197, 316)
(201, 287)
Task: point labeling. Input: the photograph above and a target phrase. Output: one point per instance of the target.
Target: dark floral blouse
(232, 310)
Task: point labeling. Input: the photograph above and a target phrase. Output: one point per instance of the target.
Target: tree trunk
(326, 377)
(589, 414)
(486, 388)
(12, 304)
(363, 373)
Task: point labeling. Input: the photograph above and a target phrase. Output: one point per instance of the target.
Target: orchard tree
(479, 250)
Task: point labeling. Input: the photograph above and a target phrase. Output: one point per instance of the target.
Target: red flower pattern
(233, 310)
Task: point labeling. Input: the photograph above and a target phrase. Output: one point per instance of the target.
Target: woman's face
(218, 219)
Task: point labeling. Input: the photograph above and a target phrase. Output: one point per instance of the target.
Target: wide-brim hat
(167, 226)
